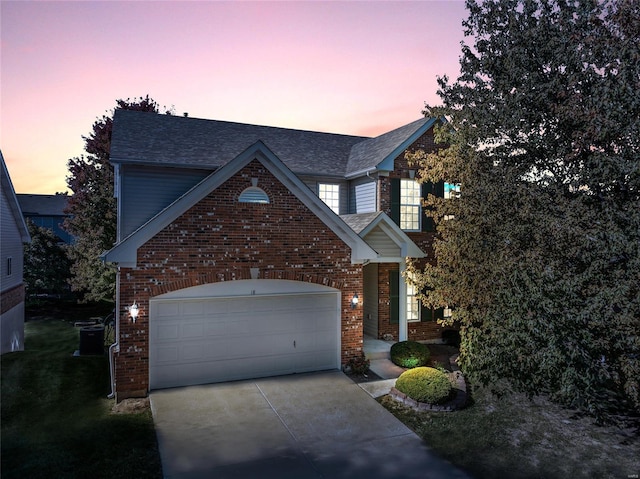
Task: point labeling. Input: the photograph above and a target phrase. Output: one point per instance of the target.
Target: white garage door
(242, 329)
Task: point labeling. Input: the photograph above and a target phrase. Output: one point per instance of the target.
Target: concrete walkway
(377, 351)
(319, 425)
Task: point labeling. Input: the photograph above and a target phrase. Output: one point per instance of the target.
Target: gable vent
(253, 194)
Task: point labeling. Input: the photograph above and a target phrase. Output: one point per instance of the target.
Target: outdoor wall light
(354, 301)
(133, 311)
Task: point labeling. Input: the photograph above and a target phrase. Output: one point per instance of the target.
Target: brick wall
(11, 298)
(220, 239)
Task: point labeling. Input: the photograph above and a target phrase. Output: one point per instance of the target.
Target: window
(9, 266)
(451, 190)
(330, 194)
(410, 205)
(253, 194)
(413, 304)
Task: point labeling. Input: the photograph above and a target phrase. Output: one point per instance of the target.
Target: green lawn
(56, 418)
(515, 438)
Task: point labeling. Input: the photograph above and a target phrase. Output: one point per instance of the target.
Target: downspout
(115, 347)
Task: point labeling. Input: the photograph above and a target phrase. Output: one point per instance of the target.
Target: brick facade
(220, 239)
(417, 331)
(11, 298)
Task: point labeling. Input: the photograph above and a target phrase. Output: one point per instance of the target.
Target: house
(13, 233)
(46, 211)
(246, 251)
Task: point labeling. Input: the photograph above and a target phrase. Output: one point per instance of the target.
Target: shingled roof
(166, 140)
(378, 152)
(43, 205)
(141, 137)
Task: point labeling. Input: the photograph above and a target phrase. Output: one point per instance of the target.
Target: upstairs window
(410, 205)
(253, 194)
(330, 194)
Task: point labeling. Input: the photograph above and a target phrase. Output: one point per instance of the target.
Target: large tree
(93, 207)
(540, 254)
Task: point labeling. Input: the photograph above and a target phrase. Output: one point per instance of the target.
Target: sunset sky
(342, 67)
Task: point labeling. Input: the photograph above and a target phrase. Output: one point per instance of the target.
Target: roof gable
(378, 230)
(10, 194)
(125, 252)
(378, 153)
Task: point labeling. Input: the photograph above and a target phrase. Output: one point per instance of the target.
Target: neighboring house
(13, 234)
(254, 251)
(46, 211)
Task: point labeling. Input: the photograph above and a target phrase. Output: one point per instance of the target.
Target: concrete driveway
(319, 425)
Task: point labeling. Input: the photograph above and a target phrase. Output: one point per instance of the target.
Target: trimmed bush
(359, 364)
(409, 354)
(425, 385)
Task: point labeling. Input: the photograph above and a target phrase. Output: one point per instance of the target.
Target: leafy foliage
(46, 266)
(359, 364)
(423, 384)
(409, 354)
(93, 207)
(540, 254)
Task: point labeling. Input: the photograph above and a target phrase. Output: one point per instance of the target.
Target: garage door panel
(192, 308)
(192, 352)
(168, 355)
(169, 309)
(192, 330)
(203, 340)
(168, 332)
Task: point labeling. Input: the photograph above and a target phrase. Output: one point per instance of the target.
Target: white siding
(12, 329)
(363, 197)
(147, 191)
(11, 247)
(382, 243)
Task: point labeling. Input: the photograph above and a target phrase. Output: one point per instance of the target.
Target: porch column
(403, 327)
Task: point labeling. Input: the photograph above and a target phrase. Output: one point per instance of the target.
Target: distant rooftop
(42, 205)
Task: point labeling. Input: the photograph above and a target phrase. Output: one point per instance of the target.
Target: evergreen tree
(540, 254)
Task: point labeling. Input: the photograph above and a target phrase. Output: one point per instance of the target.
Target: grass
(56, 418)
(513, 437)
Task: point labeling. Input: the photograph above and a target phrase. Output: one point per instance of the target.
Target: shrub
(451, 337)
(425, 385)
(359, 364)
(409, 354)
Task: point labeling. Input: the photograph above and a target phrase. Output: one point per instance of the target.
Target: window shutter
(427, 221)
(426, 314)
(394, 297)
(438, 314)
(439, 189)
(395, 199)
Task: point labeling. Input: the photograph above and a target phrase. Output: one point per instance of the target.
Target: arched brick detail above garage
(247, 273)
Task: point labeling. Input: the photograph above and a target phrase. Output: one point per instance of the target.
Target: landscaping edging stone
(458, 401)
